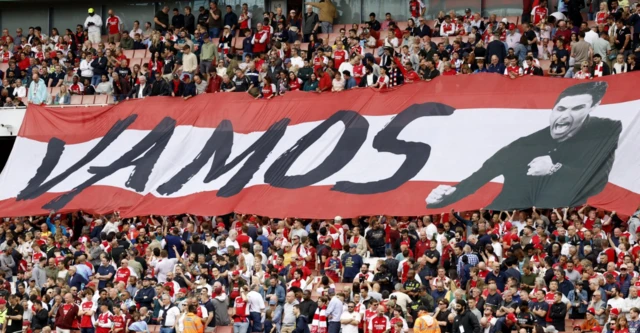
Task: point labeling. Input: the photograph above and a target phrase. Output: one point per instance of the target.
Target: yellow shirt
(426, 324)
(192, 324)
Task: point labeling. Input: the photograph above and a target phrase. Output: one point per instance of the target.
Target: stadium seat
(139, 53)
(402, 25)
(128, 53)
(333, 37)
(110, 99)
(215, 41)
(54, 91)
(76, 99)
(337, 27)
(4, 67)
(224, 329)
(321, 36)
(544, 64)
(133, 62)
(237, 44)
(101, 99)
(304, 46)
(88, 99)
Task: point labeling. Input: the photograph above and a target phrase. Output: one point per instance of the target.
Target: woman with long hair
(622, 325)
(557, 68)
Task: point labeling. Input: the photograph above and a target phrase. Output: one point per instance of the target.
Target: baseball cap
(549, 329)
(183, 290)
(221, 225)
(468, 10)
(511, 317)
(95, 240)
(272, 302)
(512, 26)
(3, 301)
(353, 245)
(91, 11)
(591, 311)
(91, 284)
(338, 218)
(615, 311)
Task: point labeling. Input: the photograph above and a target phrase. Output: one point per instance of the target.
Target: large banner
(461, 143)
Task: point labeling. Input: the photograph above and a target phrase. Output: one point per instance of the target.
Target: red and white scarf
(319, 323)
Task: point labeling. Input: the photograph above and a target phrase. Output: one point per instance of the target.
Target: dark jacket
(466, 323)
(557, 312)
(65, 321)
(40, 319)
(189, 89)
(363, 81)
(99, 66)
(302, 325)
(161, 88)
(122, 89)
(190, 23)
(172, 84)
(136, 89)
(424, 31)
(497, 48)
(77, 280)
(145, 296)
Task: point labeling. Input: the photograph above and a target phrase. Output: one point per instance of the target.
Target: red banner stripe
(248, 115)
(308, 202)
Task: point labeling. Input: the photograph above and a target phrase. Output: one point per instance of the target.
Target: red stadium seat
(76, 99)
(224, 329)
(4, 67)
(88, 99)
(402, 25)
(544, 64)
(128, 53)
(237, 44)
(333, 37)
(139, 53)
(304, 46)
(54, 91)
(101, 99)
(134, 62)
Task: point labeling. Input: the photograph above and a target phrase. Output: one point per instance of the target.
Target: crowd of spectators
(487, 272)
(218, 50)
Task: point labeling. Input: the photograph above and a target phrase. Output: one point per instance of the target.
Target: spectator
(215, 20)
(105, 87)
(93, 23)
(189, 89)
(114, 27)
(231, 19)
(161, 19)
(328, 13)
(140, 90)
(311, 24)
(126, 42)
(177, 21)
(63, 97)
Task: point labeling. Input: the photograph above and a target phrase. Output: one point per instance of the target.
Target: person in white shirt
(296, 60)
(350, 319)
(164, 266)
(168, 316)
(93, 23)
(19, 90)
(189, 62)
(591, 35)
(256, 308)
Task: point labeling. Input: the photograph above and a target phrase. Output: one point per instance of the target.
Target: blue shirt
(334, 309)
(501, 279)
(351, 264)
(105, 270)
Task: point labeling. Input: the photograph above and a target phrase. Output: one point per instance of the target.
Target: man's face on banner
(568, 115)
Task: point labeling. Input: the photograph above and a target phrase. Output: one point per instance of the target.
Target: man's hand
(540, 166)
(437, 194)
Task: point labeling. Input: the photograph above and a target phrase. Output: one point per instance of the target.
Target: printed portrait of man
(558, 166)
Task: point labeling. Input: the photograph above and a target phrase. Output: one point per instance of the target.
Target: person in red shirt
(119, 320)
(66, 313)
(123, 273)
(513, 71)
(416, 9)
(87, 309)
(339, 55)
(114, 25)
(104, 323)
(325, 81)
(380, 323)
(539, 12)
(76, 88)
(260, 40)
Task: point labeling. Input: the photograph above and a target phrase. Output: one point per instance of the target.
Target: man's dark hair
(595, 89)
(372, 14)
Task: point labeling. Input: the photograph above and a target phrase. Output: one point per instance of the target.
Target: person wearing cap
(144, 296)
(590, 322)
(550, 329)
(351, 264)
(93, 24)
(425, 323)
